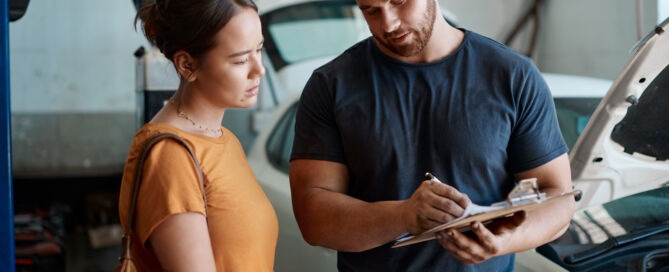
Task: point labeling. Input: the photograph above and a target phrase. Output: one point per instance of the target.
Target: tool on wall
(533, 13)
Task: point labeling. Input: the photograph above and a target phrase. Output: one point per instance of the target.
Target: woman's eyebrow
(241, 53)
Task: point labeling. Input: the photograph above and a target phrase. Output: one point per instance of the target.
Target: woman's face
(230, 73)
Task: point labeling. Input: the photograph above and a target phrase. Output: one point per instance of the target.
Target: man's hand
(432, 204)
(487, 241)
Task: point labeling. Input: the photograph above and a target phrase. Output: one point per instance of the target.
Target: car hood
(624, 148)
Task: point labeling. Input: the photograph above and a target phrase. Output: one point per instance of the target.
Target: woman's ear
(185, 65)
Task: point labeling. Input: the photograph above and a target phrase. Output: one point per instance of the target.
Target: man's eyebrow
(241, 53)
(364, 7)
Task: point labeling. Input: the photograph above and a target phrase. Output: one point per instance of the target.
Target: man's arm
(330, 218)
(553, 178)
(522, 231)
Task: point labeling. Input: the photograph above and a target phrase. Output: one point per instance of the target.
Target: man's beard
(421, 35)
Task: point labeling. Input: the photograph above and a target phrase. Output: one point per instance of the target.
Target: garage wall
(662, 10)
(488, 17)
(74, 56)
(582, 37)
(72, 87)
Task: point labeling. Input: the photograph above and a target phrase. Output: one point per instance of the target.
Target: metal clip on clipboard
(525, 191)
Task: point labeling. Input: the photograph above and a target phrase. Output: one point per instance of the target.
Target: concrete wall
(72, 87)
(580, 37)
(662, 10)
(74, 56)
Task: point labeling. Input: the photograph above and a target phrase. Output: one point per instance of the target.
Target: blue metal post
(6, 192)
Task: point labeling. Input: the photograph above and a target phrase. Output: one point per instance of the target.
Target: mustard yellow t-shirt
(242, 223)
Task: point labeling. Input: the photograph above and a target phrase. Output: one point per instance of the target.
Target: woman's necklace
(213, 132)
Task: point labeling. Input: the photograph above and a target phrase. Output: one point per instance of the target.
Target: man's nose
(390, 21)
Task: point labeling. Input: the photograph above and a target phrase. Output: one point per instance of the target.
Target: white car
(600, 163)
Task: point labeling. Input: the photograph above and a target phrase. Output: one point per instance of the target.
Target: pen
(407, 235)
(432, 177)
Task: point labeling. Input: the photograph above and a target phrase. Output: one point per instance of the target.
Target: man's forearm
(338, 221)
(548, 223)
(543, 225)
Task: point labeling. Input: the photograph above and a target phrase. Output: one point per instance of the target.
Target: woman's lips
(252, 92)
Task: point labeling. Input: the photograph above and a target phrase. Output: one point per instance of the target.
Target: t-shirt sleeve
(316, 134)
(170, 185)
(536, 138)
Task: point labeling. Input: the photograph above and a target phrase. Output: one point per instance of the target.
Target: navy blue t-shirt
(473, 119)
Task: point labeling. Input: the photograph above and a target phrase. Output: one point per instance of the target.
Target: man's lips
(400, 38)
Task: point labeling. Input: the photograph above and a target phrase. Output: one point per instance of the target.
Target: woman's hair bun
(187, 25)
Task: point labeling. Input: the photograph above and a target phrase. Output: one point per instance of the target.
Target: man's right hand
(432, 204)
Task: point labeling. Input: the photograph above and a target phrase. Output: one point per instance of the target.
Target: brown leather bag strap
(137, 179)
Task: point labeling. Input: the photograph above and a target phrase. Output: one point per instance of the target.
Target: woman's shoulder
(152, 129)
(195, 141)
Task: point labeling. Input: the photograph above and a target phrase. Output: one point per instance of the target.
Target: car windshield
(596, 232)
(327, 27)
(573, 114)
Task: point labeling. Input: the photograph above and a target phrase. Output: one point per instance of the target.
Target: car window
(573, 114)
(280, 141)
(328, 28)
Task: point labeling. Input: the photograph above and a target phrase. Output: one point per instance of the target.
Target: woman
(215, 47)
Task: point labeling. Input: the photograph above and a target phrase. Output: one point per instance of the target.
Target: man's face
(402, 26)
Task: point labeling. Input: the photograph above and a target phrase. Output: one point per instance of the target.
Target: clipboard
(524, 197)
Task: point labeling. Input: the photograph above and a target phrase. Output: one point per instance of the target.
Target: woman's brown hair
(191, 25)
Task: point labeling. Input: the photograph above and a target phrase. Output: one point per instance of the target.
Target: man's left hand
(486, 241)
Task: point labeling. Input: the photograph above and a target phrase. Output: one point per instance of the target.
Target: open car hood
(624, 148)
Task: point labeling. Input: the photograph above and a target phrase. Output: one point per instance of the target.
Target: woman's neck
(192, 112)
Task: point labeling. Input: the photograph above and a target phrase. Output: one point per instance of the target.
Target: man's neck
(444, 40)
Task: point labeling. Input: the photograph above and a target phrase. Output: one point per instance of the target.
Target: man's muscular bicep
(314, 185)
(554, 175)
(307, 175)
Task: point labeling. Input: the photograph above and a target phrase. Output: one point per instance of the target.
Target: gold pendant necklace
(213, 132)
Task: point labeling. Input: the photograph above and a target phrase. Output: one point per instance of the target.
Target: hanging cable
(639, 19)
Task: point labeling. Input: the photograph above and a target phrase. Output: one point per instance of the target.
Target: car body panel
(600, 166)
(563, 85)
(293, 77)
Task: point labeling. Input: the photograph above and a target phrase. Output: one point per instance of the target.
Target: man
(417, 96)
